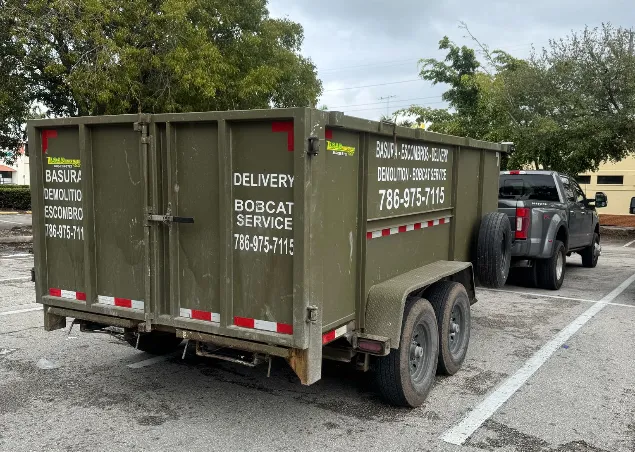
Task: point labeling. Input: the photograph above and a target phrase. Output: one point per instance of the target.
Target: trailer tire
(155, 342)
(494, 250)
(551, 271)
(405, 376)
(452, 308)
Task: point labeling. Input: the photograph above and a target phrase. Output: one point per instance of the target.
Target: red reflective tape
(284, 126)
(46, 134)
(441, 220)
(80, 296)
(417, 226)
(369, 235)
(244, 322)
(55, 292)
(201, 315)
(402, 228)
(328, 134)
(123, 302)
(284, 328)
(430, 224)
(328, 337)
(385, 232)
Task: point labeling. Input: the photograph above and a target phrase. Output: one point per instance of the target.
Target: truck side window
(579, 193)
(568, 190)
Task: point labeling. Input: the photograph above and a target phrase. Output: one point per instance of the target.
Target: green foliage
(567, 108)
(14, 197)
(95, 57)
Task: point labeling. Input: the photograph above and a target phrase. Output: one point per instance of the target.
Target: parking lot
(546, 371)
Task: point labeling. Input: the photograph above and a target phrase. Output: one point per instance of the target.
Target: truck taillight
(522, 222)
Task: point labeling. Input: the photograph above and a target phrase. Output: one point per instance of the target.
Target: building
(18, 173)
(616, 180)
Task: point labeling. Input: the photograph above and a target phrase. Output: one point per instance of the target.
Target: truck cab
(551, 218)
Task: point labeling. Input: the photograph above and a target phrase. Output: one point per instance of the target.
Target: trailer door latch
(170, 219)
(312, 314)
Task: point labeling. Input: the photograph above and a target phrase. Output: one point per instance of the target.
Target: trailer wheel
(452, 308)
(405, 376)
(494, 250)
(155, 342)
(551, 271)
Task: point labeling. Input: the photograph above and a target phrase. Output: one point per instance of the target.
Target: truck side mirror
(632, 209)
(601, 200)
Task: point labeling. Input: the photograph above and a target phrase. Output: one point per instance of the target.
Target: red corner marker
(284, 126)
(46, 134)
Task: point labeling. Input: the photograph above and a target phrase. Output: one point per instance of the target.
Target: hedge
(15, 197)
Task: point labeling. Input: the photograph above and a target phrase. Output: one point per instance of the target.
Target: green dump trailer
(292, 233)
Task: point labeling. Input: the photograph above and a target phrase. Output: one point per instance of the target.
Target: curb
(24, 212)
(612, 231)
(17, 239)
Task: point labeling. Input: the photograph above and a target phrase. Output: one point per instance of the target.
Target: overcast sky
(356, 43)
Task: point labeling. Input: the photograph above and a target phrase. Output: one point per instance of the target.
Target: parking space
(93, 391)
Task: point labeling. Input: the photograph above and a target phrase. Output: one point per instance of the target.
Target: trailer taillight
(522, 222)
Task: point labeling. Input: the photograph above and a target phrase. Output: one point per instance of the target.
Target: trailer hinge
(142, 127)
(312, 314)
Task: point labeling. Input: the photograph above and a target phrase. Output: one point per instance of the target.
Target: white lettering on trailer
(263, 215)
(63, 218)
(263, 180)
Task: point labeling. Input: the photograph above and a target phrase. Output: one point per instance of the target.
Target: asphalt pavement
(8, 221)
(545, 371)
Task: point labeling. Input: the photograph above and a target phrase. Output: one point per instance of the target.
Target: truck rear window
(539, 187)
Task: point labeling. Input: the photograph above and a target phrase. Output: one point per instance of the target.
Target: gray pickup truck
(550, 219)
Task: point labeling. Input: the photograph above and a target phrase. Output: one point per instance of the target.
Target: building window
(583, 180)
(610, 180)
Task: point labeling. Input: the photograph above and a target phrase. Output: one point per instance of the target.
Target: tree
(14, 101)
(94, 57)
(567, 108)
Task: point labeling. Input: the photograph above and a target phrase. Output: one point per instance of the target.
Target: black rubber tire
(155, 343)
(589, 258)
(494, 250)
(393, 373)
(546, 268)
(444, 296)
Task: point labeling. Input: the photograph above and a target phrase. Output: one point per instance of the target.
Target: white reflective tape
(394, 231)
(106, 300)
(435, 222)
(185, 313)
(68, 294)
(376, 234)
(215, 317)
(410, 227)
(340, 331)
(265, 325)
(136, 304)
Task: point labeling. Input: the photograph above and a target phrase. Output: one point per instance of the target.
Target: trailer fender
(386, 300)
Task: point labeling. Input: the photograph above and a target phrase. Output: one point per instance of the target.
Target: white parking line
(484, 410)
(559, 297)
(517, 292)
(629, 243)
(20, 311)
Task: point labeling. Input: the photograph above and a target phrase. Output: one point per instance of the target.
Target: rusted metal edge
(91, 317)
(235, 343)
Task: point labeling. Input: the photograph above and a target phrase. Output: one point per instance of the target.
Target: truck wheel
(452, 308)
(591, 254)
(405, 376)
(494, 250)
(155, 342)
(551, 271)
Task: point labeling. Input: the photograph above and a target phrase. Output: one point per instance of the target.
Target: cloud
(356, 43)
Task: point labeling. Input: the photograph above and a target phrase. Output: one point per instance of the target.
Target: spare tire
(494, 250)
